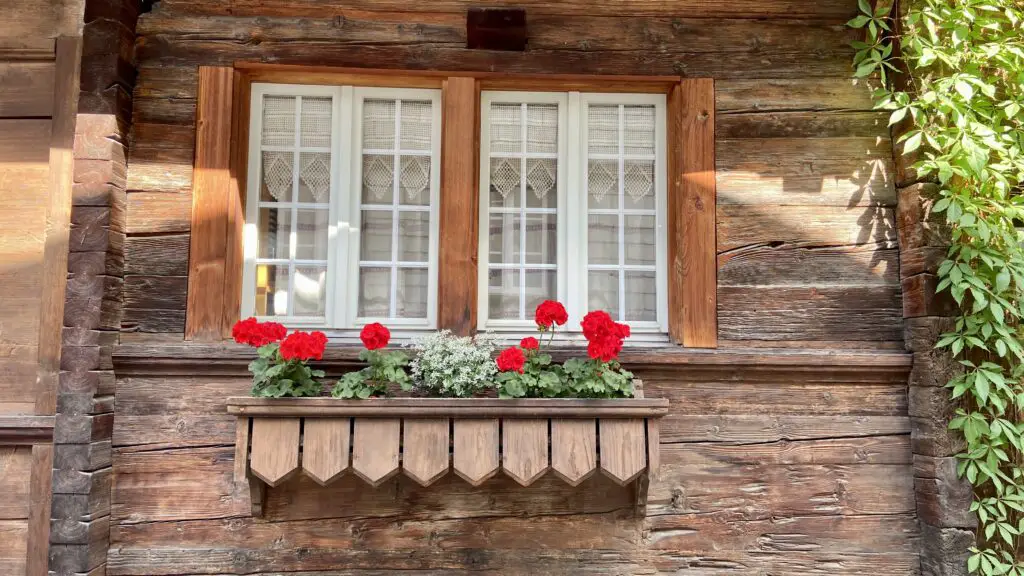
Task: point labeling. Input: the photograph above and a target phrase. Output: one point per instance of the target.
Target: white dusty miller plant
(453, 366)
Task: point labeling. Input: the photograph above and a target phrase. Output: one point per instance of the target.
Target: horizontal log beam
(25, 430)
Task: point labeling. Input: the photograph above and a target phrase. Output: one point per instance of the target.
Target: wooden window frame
(219, 185)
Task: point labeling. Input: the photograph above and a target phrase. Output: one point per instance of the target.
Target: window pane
(271, 290)
(603, 129)
(275, 232)
(311, 234)
(417, 118)
(603, 286)
(641, 296)
(603, 184)
(277, 178)
(375, 236)
(603, 239)
(638, 184)
(542, 128)
(639, 129)
(506, 128)
(374, 292)
(310, 291)
(504, 238)
(414, 180)
(379, 125)
(413, 236)
(378, 179)
(541, 285)
(503, 294)
(278, 121)
(541, 239)
(506, 182)
(412, 292)
(640, 246)
(541, 183)
(316, 122)
(315, 177)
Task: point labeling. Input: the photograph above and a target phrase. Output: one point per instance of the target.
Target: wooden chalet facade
(786, 306)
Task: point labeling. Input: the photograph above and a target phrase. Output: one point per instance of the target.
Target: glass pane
(603, 239)
(638, 184)
(542, 128)
(275, 232)
(378, 179)
(414, 180)
(640, 246)
(504, 238)
(315, 177)
(542, 183)
(603, 289)
(375, 236)
(541, 285)
(603, 184)
(506, 182)
(503, 294)
(316, 122)
(603, 129)
(311, 234)
(413, 236)
(541, 239)
(277, 177)
(641, 296)
(417, 118)
(271, 290)
(639, 129)
(379, 125)
(412, 293)
(374, 292)
(310, 291)
(506, 128)
(278, 121)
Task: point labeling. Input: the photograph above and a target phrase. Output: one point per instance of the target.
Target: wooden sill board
(449, 407)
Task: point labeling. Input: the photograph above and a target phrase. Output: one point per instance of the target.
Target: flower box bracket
(425, 438)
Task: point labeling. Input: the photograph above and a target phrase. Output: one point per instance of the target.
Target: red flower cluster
(256, 334)
(511, 359)
(604, 335)
(529, 343)
(375, 336)
(304, 346)
(549, 313)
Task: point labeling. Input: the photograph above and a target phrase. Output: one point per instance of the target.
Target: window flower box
(426, 438)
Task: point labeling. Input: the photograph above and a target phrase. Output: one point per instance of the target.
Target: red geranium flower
(304, 346)
(604, 335)
(375, 336)
(254, 333)
(511, 359)
(550, 312)
(529, 343)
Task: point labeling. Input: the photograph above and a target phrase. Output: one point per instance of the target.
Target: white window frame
(342, 283)
(572, 208)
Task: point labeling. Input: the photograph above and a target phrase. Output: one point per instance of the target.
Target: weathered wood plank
(326, 443)
(771, 428)
(37, 555)
(28, 89)
(375, 448)
(573, 449)
(524, 451)
(623, 448)
(155, 292)
(804, 226)
(454, 407)
(828, 124)
(13, 546)
(775, 397)
(15, 481)
(156, 255)
(475, 449)
(785, 265)
(159, 212)
(275, 449)
(24, 24)
(425, 453)
(840, 94)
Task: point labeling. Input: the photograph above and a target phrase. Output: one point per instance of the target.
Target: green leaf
(858, 22)
(912, 143)
(865, 69)
(965, 89)
(865, 7)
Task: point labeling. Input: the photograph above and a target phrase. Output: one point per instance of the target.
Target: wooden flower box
(424, 438)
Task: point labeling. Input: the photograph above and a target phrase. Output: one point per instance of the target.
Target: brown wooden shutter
(693, 283)
(214, 249)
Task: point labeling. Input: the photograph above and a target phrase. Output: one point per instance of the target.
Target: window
(573, 203)
(341, 214)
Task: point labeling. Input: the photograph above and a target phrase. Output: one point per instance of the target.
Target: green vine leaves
(962, 64)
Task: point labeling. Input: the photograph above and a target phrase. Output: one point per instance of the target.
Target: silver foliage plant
(453, 366)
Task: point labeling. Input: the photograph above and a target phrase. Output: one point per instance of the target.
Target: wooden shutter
(215, 263)
(692, 281)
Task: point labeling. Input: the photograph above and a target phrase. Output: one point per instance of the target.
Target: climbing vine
(959, 84)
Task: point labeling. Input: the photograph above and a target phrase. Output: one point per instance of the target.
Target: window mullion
(524, 119)
(574, 209)
(622, 217)
(293, 236)
(395, 190)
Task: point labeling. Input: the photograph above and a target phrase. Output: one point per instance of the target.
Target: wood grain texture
(275, 449)
(37, 554)
(653, 448)
(693, 264)
(457, 266)
(233, 258)
(524, 449)
(28, 89)
(15, 481)
(242, 436)
(212, 205)
(451, 407)
(573, 449)
(326, 443)
(375, 448)
(425, 449)
(623, 448)
(475, 449)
